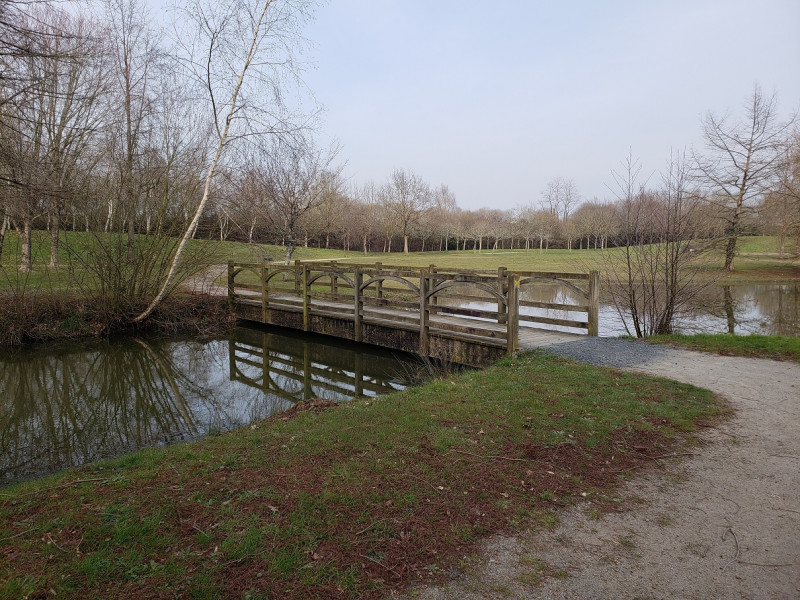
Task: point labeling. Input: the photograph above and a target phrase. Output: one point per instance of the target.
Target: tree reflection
(77, 404)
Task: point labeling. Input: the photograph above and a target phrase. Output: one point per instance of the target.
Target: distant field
(758, 260)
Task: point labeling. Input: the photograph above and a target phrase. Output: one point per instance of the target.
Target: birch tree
(241, 53)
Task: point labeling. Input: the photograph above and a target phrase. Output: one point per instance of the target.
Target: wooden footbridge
(467, 316)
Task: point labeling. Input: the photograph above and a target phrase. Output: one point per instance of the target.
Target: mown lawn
(757, 261)
(754, 346)
(347, 501)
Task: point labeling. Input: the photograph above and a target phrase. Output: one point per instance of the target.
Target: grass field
(757, 261)
(349, 501)
(754, 346)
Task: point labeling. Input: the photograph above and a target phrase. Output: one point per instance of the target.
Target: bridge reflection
(297, 368)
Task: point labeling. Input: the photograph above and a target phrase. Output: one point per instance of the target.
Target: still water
(72, 404)
(67, 405)
(768, 309)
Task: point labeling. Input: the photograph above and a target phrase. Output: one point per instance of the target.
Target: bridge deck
(408, 319)
(472, 317)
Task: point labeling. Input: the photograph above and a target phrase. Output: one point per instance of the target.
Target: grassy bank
(49, 317)
(346, 501)
(754, 346)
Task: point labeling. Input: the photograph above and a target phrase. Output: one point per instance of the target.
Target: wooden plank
(545, 275)
(424, 341)
(549, 321)
(593, 327)
(467, 312)
(344, 315)
(553, 306)
(466, 337)
(392, 324)
(306, 299)
(468, 330)
(358, 305)
(512, 340)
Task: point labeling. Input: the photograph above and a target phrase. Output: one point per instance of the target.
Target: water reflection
(75, 404)
(768, 309)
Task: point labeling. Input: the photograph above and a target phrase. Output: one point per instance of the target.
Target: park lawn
(351, 500)
(758, 261)
(755, 346)
(73, 278)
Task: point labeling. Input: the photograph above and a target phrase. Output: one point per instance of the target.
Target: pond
(72, 404)
(768, 309)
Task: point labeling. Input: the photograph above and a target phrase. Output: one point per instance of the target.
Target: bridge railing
(480, 306)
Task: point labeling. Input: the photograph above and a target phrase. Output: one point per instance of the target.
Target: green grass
(758, 346)
(74, 248)
(757, 260)
(353, 501)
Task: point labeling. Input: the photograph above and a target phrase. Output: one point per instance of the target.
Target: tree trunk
(730, 315)
(3, 229)
(132, 240)
(55, 228)
(25, 242)
(730, 251)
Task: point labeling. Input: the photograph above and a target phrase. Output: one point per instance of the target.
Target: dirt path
(721, 523)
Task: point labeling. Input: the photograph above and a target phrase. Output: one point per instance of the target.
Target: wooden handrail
(338, 280)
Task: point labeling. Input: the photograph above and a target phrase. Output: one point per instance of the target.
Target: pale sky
(494, 99)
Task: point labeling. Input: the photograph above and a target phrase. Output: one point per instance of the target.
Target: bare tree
(295, 177)
(741, 162)
(560, 197)
(134, 55)
(655, 275)
(366, 215)
(782, 205)
(409, 198)
(48, 126)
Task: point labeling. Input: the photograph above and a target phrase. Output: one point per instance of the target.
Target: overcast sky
(494, 99)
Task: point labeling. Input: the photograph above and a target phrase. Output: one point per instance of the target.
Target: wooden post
(358, 302)
(231, 284)
(379, 285)
(306, 299)
(433, 299)
(334, 279)
(264, 293)
(594, 303)
(512, 320)
(424, 340)
(502, 287)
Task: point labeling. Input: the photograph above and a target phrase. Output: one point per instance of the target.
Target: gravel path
(723, 523)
